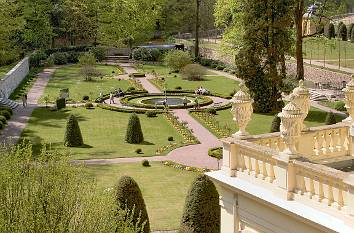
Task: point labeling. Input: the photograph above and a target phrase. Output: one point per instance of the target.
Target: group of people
(201, 91)
(117, 93)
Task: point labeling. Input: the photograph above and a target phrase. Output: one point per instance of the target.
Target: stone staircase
(8, 103)
(315, 96)
(117, 59)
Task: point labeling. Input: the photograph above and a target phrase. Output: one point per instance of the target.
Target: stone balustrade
(293, 179)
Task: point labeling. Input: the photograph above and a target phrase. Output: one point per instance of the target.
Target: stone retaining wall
(14, 77)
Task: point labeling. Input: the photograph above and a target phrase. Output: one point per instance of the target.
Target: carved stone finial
(290, 127)
(242, 110)
(301, 98)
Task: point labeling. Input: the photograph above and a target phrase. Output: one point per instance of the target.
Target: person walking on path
(24, 100)
(196, 103)
(185, 101)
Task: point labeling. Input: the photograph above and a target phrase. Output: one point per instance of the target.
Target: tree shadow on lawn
(146, 143)
(38, 118)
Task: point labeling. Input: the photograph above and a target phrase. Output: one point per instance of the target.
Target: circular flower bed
(156, 101)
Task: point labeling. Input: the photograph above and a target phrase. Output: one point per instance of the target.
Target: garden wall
(14, 77)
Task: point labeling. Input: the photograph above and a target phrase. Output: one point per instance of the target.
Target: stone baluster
(290, 128)
(301, 98)
(349, 100)
(242, 111)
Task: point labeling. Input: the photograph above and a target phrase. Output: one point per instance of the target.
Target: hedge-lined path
(12, 132)
(327, 109)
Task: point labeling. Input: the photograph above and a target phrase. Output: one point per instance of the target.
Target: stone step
(8, 103)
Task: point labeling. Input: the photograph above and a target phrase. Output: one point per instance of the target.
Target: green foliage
(6, 114)
(151, 114)
(89, 105)
(343, 32)
(275, 124)
(87, 62)
(352, 36)
(7, 109)
(145, 163)
(54, 187)
(170, 139)
(36, 58)
(3, 120)
(330, 119)
(73, 137)
(177, 59)
(99, 53)
(2, 125)
(145, 54)
(201, 211)
(138, 151)
(60, 58)
(128, 195)
(134, 133)
(215, 152)
(340, 106)
(193, 72)
(350, 29)
(61, 103)
(331, 31)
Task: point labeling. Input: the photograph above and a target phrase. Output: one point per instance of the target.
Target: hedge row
(106, 96)
(127, 110)
(218, 108)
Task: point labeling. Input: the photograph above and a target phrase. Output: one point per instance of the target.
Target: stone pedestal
(349, 100)
(301, 98)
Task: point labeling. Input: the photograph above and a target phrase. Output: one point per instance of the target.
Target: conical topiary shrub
(201, 211)
(330, 118)
(128, 195)
(275, 124)
(73, 137)
(134, 133)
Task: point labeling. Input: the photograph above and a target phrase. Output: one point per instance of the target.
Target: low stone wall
(14, 77)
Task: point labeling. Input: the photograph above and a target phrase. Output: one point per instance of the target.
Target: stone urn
(301, 98)
(290, 128)
(349, 100)
(242, 110)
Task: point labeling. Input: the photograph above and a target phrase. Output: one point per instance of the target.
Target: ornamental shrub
(99, 53)
(128, 195)
(36, 58)
(170, 139)
(73, 137)
(138, 151)
(331, 31)
(201, 211)
(352, 36)
(85, 97)
(145, 54)
(6, 114)
(60, 103)
(3, 119)
(275, 124)
(89, 105)
(177, 59)
(134, 133)
(151, 114)
(212, 111)
(2, 125)
(340, 106)
(73, 57)
(60, 58)
(7, 109)
(343, 32)
(193, 72)
(145, 163)
(330, 119)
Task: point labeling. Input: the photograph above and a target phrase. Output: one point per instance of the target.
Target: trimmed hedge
(73, 137)
(134, 133)
(128, 195)
(61, 103)
(3, 119)
(201, 211)
(6, 114)
(106, 96)
(127, 110)
(218, 108)
(7, 109)
(215, 152)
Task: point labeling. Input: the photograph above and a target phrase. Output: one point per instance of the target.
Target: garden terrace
(106, 141)
(71, 78)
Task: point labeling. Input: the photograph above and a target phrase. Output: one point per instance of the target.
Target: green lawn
(317, 49)
(70, 77)
(164, 189)
(103, 132)
(6, 68)
(261, 123)
(214, 83)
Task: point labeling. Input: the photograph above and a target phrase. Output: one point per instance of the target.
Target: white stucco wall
(14, 77)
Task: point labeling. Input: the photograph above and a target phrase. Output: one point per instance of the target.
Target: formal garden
(114, 122)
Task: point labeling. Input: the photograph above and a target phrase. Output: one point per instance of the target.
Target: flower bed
(184, 167)
(209, 120)
(129, 101)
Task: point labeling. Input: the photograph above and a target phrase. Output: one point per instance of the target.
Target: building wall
(14, 77)
(241, 212)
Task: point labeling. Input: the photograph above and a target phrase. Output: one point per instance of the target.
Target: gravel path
(330, 66)
(18, 122)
